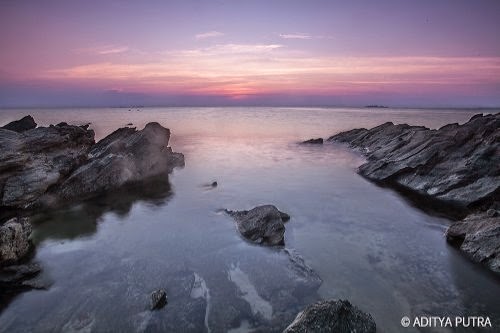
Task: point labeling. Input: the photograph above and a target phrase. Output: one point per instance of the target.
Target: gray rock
(262, 224)
(14, 240)
(47, 166)
(158, 299)
(456, 166)
(478, 236)
(318, 141)
(21, 125)
(35, 160)
(337, 316)
(123, 157)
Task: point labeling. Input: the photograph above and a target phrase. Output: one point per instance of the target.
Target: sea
(368, 244)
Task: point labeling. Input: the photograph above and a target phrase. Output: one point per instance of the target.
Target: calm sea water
(368, 244)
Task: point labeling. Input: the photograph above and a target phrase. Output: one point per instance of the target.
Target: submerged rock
(46, 166)
(262, 224)
(337, 316)
(318, 141)
(158, 299)
(21, 125)
(456, 166)
(14, 240)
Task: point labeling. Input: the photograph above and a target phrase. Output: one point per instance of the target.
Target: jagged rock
(337, 316)
(46, 166)
(318, 141)
(14, 240)
(478, 236)
(456, 164)
(21, 125)
(459, 164)
(124, 156)
(158, 299)
(262, 224)
(33, 161)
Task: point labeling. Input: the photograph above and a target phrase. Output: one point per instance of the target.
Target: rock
(123, 157)
(47, 166)
(21, 125)
(478, 236)
(14, 240)
(214, 184)
(458, 164)
(35, 160)
(158, 299)
(337, 316)
(318, 141)
(262, 224)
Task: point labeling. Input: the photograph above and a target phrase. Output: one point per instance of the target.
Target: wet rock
(14, 240)
(262, 224)
(337, 316)
(459, 164)
(47, 166)
(35, 160)
(158, 299)
(125, 156)
(318, 141)
(478, 236)
(21, 125)
(456, 167)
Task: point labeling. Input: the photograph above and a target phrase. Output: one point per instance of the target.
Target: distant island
(376, 106)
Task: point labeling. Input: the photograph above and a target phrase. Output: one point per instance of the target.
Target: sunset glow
(305, 51)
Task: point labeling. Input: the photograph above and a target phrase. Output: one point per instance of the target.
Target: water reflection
(81, 219)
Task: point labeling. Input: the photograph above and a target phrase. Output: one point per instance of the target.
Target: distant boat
(376, 106)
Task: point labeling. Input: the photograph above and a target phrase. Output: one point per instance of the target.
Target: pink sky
(232, 52)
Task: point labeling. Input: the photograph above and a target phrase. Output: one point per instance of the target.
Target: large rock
(21, 125)
(46, 166)
(35, 160)
(14, 240)
(459, 164)
(123, 157)
(478, 236)
(456, 165)
(337, 316)
(262, 224)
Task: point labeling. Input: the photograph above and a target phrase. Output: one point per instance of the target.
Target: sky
(271, 52)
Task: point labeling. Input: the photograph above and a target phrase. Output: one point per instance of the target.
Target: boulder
(21, 125)
(262, 224)
(337, 316)
(14, 240)
(35, 160)
(158, 299)
(478, 236)
(123, 157)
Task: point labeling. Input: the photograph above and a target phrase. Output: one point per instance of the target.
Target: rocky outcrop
(337, 316)
(262, 225)
(21, 125)
(318, 141)
(14, 240)
(478, 236)
(46, 166)
(456, 166)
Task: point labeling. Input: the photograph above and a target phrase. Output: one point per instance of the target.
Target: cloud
(209, 34)
(103, 49)
(296, 36)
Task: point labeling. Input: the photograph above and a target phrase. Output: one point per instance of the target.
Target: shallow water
(368, 244)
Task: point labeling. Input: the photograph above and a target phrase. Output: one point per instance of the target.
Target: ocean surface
(368, 244)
